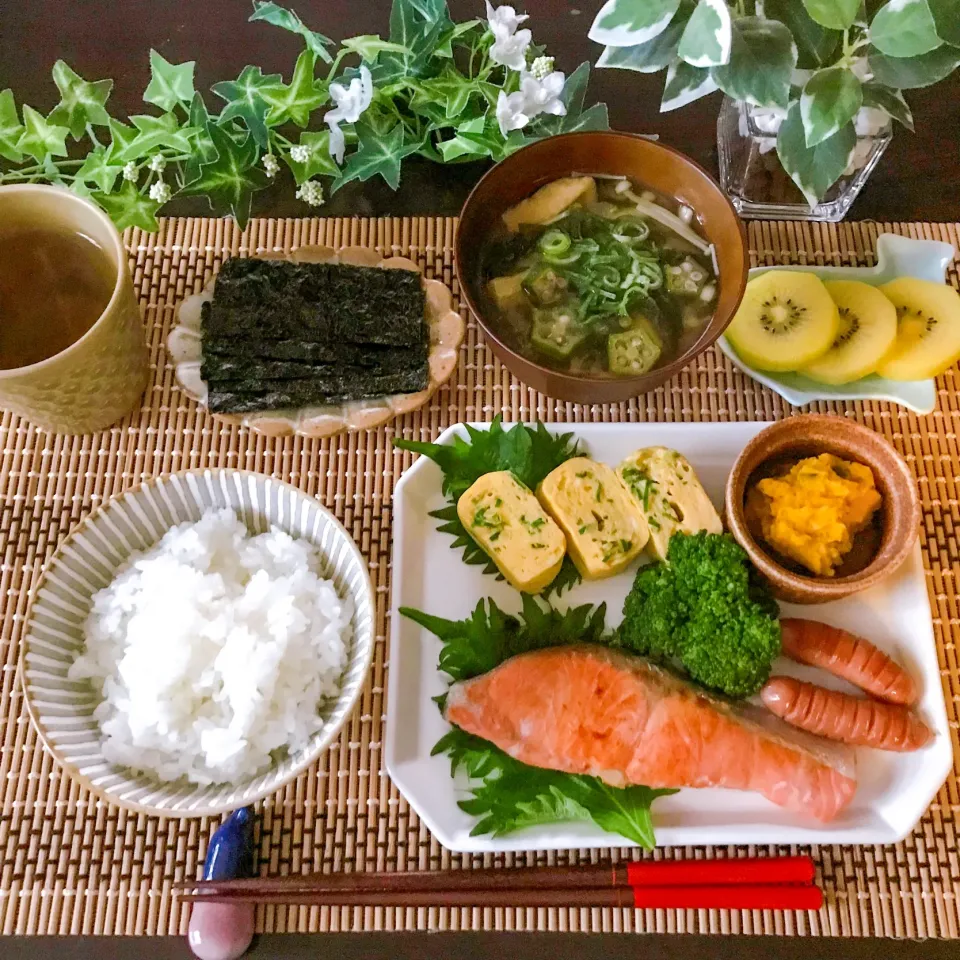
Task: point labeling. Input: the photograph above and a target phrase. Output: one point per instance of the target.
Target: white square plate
(894, 789)
(896, 257)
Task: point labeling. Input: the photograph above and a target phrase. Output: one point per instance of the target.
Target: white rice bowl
(214, 652)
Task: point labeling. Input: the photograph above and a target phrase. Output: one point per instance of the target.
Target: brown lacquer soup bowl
(651, 164)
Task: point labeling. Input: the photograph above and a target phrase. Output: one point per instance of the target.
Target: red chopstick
(729, 897)
(746, 870)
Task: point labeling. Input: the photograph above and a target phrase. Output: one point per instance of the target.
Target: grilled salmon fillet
(592, 710)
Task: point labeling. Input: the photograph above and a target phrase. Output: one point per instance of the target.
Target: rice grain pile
(214, 650)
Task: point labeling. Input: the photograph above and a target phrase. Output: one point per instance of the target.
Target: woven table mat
(70, 864)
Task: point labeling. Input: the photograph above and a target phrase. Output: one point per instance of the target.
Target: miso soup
(600, 277)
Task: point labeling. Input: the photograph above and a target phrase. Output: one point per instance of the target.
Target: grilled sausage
(850, 657)
(838, 716)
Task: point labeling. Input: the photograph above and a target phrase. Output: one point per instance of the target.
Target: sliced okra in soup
(556, 332)
(634, 352)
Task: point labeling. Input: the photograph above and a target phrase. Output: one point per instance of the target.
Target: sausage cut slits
(849, 657)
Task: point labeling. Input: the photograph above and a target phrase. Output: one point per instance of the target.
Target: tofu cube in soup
(512, 528)
(605, 529)
(665, 487)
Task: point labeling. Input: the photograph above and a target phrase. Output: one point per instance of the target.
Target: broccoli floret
(705, 609)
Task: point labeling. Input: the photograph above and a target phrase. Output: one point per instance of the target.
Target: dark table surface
(919, 179)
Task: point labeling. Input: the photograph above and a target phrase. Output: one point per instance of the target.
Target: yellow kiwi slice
(786, 320)
(868, 327)
(928, 329)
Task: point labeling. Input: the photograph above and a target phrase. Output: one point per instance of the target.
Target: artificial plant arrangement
(816, 72)
(450, 92)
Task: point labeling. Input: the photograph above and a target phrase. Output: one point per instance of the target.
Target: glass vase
(760, 188)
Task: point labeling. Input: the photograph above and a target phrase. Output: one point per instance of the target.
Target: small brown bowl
(652, 164)
(810, 435)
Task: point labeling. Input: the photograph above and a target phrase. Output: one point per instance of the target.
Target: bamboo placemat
(72, 865)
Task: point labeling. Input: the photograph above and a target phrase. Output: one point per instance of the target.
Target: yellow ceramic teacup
(98, 378)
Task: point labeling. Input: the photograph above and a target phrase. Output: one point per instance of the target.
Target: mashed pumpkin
(812, 513)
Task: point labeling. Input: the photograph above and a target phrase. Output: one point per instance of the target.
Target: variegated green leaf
(685, 84)
(904, 28)
(910, 73)
(129, 208)
(708, 35)
(647, 57)
(10, 127)
(625, 23)
(170, 83)
(81, 101)
(835, 14)
(946, 16)
(831, 99)
(40, 138)
(891, 101)
(279, 16)
(762, 60)
(813, 169)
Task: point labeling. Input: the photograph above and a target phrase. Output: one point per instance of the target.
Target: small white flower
(130, 172)
(511, 51)
(350, 103)
(511, 111)
(311, 192)
(300, 153)
(543, 96)
(270, 165)
(160, 192)
(504, 19)
(542, 67)
(157, 163)
(509, 44)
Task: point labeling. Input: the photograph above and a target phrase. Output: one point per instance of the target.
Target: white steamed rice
(213, 650)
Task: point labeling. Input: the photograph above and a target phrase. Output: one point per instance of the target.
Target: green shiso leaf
(529, 453)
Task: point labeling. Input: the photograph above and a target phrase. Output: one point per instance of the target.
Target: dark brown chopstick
(729, 897)
(656, 873)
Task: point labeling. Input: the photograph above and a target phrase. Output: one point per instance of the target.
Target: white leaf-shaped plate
(444, 325)
(896, 257)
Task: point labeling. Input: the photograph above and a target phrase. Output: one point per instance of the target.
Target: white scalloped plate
(445, 328)
(88, 559)
(896, 257)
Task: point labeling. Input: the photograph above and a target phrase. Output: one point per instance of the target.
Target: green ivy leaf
(204, 150)
(762, 60)
(171, 84)
(575, 89)
(368, 45)
(460, 146)
(41, 139)
(816, 45)
(10, 127)
(129, 208)
(81, 101)
(910, 73)
(230, 179)
(831, 99)
(649, 57)
(835, 14)
(890, 101)
(294, 102)
(451, 90)
(99, 170)
(708, 35)
(594, 118)
(452, 34)
(287, 20)
(246, 101)
(904, 28)
(417, 34)
(122, 138)
(946, 16)
(684, 84)
(152, 133)
(575, 119)
(320, 162)
(378, 153)
(813, 169)
(626, 23)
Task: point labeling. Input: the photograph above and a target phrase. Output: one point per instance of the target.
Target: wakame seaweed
(278, 334)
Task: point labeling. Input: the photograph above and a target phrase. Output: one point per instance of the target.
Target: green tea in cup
(72, 351)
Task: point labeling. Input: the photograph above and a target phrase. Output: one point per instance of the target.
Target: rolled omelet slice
(605, 529)
(512, 528)
(663, 484)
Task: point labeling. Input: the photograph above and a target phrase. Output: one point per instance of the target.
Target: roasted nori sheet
(319, 302)
(278, 334)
